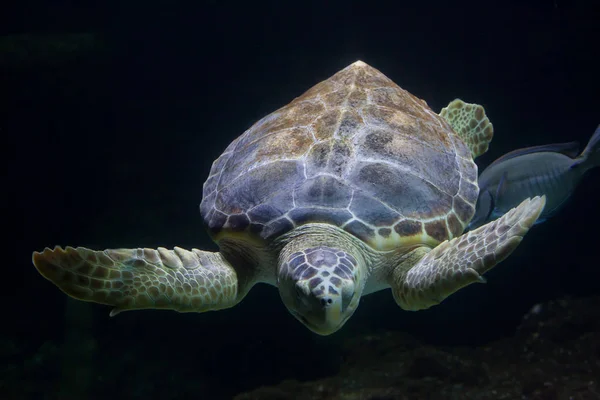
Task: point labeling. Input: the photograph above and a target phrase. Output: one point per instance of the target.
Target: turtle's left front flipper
(130, 279)
(461, 261)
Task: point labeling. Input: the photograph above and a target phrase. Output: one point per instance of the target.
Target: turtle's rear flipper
(461, 261)
(471, 124)
(129, 279)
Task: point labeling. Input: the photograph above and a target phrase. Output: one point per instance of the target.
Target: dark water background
(108, 145)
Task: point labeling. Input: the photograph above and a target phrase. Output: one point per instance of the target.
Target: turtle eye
(301, 292)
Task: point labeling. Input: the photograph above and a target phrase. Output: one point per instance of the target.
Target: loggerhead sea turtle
(354, 187)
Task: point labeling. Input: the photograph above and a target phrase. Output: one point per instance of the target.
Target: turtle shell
(356, 151)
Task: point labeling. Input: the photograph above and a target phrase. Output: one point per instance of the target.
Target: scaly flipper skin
(471, 124)
(461, 261)
(130, 279)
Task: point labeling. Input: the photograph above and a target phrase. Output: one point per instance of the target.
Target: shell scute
(259, 186)
(303, 215)
(323, 191)
(367, 208)
(412, 196)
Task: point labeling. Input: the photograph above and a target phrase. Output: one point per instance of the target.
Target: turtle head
(321, 286)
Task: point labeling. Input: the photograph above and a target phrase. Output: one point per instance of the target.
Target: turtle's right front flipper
(461, 261)
(130, 279)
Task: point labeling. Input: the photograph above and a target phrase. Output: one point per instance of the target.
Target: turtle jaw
(326, 321)
(324, 314)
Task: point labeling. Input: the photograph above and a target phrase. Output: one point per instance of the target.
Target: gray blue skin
(554, 170)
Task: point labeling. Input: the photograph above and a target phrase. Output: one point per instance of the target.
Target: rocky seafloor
(553, 354)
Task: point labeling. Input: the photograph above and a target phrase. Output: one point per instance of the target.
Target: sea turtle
(354, 187)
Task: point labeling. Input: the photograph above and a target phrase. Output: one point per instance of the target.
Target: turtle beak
(327, 317)
(333, 318)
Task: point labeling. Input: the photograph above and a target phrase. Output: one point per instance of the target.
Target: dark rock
(554, 354)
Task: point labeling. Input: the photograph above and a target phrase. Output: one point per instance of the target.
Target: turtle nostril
(326, 301)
